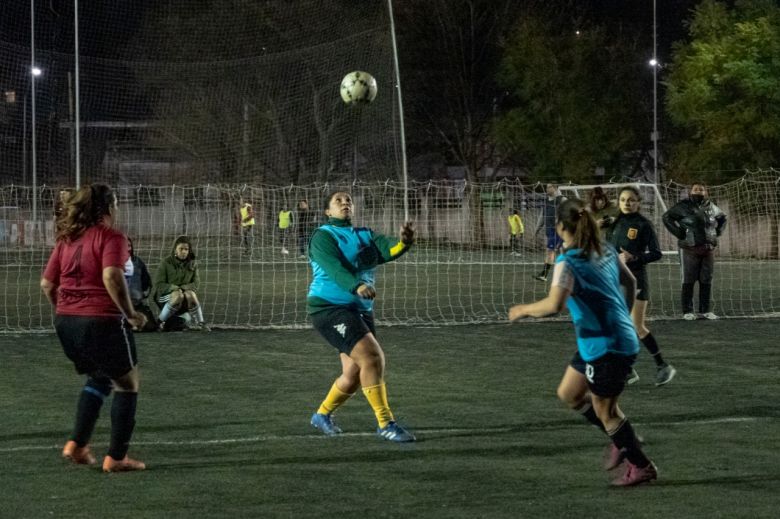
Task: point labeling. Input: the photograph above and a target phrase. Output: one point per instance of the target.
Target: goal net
(460, 271)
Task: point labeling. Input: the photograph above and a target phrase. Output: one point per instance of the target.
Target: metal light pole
(34, 71)
(76, 72)
(654, 63)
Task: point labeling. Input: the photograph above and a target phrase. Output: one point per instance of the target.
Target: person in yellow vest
(516, 231)
(247, 226)
(285, 225)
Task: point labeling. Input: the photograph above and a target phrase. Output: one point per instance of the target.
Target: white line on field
(315, 436)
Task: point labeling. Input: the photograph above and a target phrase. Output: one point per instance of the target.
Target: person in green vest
(285, 225)
(247, 214)
(516, 231)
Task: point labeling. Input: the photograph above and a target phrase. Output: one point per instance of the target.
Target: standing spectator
(602, 208)
(84, 279)
(516, 231)
(697, 223)
(587, 278)
(634, 236)
(304, 227)
(139, 282)
(340, 303)
(547, 222)
(176, 284)
(285, 224)
(247, 221)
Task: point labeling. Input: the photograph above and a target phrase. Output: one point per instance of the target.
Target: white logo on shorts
(341, 328)
(589, 372)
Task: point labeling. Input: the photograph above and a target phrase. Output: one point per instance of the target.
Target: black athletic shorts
(606, 375)
(642, 286)
(97, 345)
(343, 327)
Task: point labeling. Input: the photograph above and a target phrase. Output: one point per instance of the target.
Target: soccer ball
(358, 87)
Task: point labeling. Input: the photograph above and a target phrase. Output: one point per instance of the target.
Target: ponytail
(575, 219)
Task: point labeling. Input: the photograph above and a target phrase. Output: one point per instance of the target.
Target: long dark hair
(84, 209)
(575, 219)
(596, 195)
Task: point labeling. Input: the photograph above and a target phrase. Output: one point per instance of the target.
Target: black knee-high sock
(624, 438)
(122, 423)
(687, 298)
(587, 411)
(545, 269)
(705, 289)
(91, 400)
(652, 346)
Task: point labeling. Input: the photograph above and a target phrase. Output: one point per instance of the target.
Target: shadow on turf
(390, 454)
(723, 480)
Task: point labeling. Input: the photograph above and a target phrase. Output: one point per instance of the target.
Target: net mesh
(449, 278)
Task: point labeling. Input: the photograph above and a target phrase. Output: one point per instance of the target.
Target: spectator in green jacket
(176, 284)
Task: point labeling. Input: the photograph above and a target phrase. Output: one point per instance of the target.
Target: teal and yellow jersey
(342, 258)
(597, 305)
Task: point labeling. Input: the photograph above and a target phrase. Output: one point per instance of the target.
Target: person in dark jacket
(176, 284)
(697, 223)
(553, 242)
(634, 237)
(139, 282)
(305, 225)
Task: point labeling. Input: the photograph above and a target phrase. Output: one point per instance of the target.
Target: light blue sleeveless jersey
(350, 241)
(598, 307)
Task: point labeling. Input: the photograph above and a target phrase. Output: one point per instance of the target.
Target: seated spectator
(139, 283)
(176, 284)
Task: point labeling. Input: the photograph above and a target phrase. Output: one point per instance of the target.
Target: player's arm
(653, 251)
(116, 286)
(193, 285)
(51, 277)
(628, 282)
(562, 286)
(161, 285)
(720, 220)
(391, 249)
(324, 250)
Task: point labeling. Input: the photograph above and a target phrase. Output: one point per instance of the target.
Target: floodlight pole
(31, 75)
(656, 179)
(76, 71)
(400, 111)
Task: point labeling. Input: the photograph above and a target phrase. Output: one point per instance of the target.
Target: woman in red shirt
(85, 280)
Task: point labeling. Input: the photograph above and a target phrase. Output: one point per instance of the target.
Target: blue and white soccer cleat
(324, 422)
(395, 433)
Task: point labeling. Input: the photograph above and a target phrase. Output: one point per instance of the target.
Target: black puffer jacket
(695, 225)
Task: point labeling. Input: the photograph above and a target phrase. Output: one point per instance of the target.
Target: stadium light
(35, 71)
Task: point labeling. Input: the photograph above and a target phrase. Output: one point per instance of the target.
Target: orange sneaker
(78, 455)
(124, 465)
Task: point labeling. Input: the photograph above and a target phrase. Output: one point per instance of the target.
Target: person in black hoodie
(634, 237)
(697, 223)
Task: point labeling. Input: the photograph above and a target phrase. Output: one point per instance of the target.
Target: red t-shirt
(77, 269)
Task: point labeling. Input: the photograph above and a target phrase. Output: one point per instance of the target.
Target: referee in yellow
(285, 225)
(247, 226)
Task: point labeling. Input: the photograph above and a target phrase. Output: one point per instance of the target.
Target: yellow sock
(377, 397)
(335, 398)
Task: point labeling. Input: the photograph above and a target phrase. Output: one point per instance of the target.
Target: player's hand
(518, 312)
(366, 291)
(626, 256)
(137, 320)
(407, 233)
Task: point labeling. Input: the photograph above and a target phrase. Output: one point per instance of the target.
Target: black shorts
(98, 346)
(343, 327)
(606, 375)
(642, 286)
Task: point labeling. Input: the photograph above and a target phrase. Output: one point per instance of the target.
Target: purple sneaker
(636, 476)
(613, 457)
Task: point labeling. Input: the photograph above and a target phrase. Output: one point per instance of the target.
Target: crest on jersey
(632, 232)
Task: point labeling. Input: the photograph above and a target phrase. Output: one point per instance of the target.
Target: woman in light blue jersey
(587, 278)
(340, 303)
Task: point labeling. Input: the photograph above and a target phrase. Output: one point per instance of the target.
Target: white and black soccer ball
(358, 87)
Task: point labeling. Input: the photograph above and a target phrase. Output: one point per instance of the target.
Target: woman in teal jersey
(340, 303)
(587, 278)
